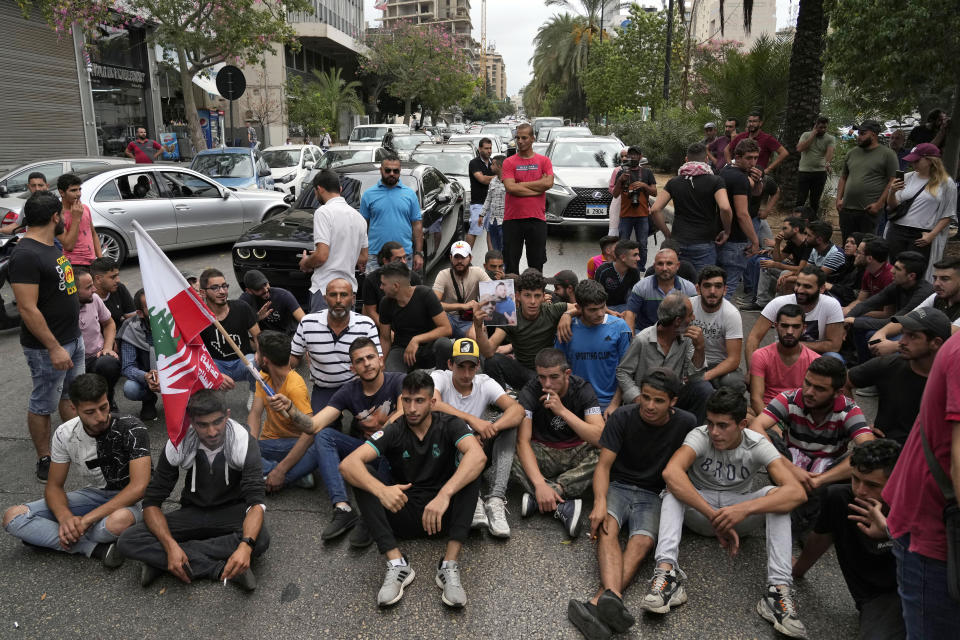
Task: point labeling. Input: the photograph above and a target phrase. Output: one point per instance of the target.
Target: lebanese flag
(382, 6)
(177, 316)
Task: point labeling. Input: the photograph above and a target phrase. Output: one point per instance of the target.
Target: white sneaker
(479, 516)
(497, 518)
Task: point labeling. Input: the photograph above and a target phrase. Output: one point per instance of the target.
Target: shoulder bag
(951, 516)
(904, 207)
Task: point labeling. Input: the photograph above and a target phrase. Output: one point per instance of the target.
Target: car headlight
(243, 253)
(286, 178)
(560, 190)
(259, 254)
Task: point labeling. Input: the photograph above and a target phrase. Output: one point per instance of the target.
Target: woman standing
(934, 193)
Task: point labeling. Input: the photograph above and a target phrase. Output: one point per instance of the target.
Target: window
(186, 185)
(133, 186)
(82, 166)
(108, 193)
(431, 182)
(17, 183)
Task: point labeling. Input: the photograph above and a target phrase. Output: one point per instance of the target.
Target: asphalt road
(516, 588)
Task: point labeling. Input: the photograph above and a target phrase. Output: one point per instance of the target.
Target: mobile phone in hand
(900, 175)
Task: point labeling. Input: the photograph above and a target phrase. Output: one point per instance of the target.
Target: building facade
(451, 15)
(496, 73)
(705, 17)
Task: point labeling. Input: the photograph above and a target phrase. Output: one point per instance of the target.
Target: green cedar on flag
(177, 316)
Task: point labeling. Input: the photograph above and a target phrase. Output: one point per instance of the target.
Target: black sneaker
(360, 537)
(568, 513)
(43, 468)
(148, 574)
(246, 580)
(613, 612)
(148, 411)
(585, 618)
(107, 553)
(341, 522)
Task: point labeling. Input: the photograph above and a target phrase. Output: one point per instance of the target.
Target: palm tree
(560, 55)
(333, 95)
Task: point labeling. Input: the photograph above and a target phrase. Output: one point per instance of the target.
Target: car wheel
(112, 246)
(273, 213)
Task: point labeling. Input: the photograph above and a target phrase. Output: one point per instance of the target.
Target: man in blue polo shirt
(392, 212)
(646, 295)
(598, 342)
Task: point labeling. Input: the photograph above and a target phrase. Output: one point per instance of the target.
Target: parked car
(475, 138)
(275, 246)
(452, 161)
(235, 167)
(404, 144)
(15, 181)
(545, 122)
(178, 207)
(553, 133)
(372, 134)
(290, 164)
(582, 169)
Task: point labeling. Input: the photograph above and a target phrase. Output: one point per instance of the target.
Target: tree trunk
(407, 110)
(190, 103)
(803, 92)
(951, 145)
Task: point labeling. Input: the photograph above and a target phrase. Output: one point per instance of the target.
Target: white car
(371, 135)
(582, 168)
(475, 138)
(289, 164)
(14, 181)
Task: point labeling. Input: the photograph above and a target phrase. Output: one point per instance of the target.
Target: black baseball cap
(565, 278)
(870, 125)
(926, 319)
(254, 279)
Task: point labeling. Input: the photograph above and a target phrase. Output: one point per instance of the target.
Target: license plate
(596, 210)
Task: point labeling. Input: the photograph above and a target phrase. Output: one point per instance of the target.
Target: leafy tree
(419, 62)
(317, 104)
(199, 33)
(559, 58)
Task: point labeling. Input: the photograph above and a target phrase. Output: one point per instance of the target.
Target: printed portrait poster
(498, 301)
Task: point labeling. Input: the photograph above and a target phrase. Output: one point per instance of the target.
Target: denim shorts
(52, 385)
(634, 507)
(475, 229)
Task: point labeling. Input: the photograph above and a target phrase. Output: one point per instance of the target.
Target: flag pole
(250, 367)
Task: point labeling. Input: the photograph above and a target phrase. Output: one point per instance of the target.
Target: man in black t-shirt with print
(435, 489)
(702, 214)
(239, 320)
(277, 309)
(557, 441)
(864, 551)
(635, 447)
(411, 320)
(742, 179)
(44, 285)
(116, 296)
(371, 291)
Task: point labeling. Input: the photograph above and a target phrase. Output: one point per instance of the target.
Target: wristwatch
(418, 253)
(250, 541)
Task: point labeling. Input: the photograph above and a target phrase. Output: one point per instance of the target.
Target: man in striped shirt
(326, 336)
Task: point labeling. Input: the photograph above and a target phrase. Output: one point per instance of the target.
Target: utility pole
(483, 43)
(666, 67)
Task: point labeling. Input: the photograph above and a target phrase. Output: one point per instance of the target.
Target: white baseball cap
(460, 248)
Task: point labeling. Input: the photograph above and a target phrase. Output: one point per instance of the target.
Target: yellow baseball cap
(465, 350)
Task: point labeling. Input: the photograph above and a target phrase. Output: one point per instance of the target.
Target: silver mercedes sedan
(178, 207)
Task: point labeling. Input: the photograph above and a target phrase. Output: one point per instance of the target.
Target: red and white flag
(177, 316)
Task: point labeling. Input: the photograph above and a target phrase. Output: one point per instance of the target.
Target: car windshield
(572, 132)
(338, 157)
(224, 165)
(405, 143)
(451, 164)
(368, 134)
(352, 187)
(458, 127)
(281, 158)
(498, 131)
(585, 154)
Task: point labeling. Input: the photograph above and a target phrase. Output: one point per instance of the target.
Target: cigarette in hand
(548, 396)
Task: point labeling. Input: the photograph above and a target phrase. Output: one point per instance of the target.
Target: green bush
(664, 140)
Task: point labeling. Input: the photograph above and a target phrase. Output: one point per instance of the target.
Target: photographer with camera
(634, 184)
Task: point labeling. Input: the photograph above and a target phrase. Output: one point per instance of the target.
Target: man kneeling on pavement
(219, 525)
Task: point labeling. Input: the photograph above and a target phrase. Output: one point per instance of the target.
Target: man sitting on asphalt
(536, 327)
(219, 525)
(458, 287)
(825, 255)
(789, 255)
(607, 247)
(635, 446)
(675, 343)
(493, 264)
(277, 309)
(945, 297)
(619, 276)
(288, 453)
(900, 378)
(877, 272)
(863, 549)
(557, 441)
(598, 341)
(710, 490)
(722, 329)
(99, 335)
(564, 282)
(325, 337)
(822, 320)
(780, 366)
(239, 320)
(371, 397)
(468, 395)
(435, 464)
(106, 281)
(646, 295)
(372, 293)
(908, 290)
(112, 456)
(138, 359)
(411, 320)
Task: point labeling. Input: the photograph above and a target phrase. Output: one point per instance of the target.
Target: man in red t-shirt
(768, 144)
(526, 177)
(142, 148)
(780, 366)
(915, 521)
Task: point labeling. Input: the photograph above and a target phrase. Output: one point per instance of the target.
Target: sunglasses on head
(385, 170)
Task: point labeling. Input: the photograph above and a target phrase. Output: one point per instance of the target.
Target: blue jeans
(928, 610)
(273, 450)
(137, 392)
(494, 236)
(699, 255)
(734, 261)
(640, 227)
(330, 447)
(40, 527)
(52, 385)
(459, 326)
(237, 369)
(751, 275)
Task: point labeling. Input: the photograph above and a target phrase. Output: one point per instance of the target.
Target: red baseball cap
(923, 150)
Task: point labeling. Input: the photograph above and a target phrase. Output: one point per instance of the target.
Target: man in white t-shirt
(340, 240)
(709, 488)
(722, 329)
(823, 315)
(462, 392)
